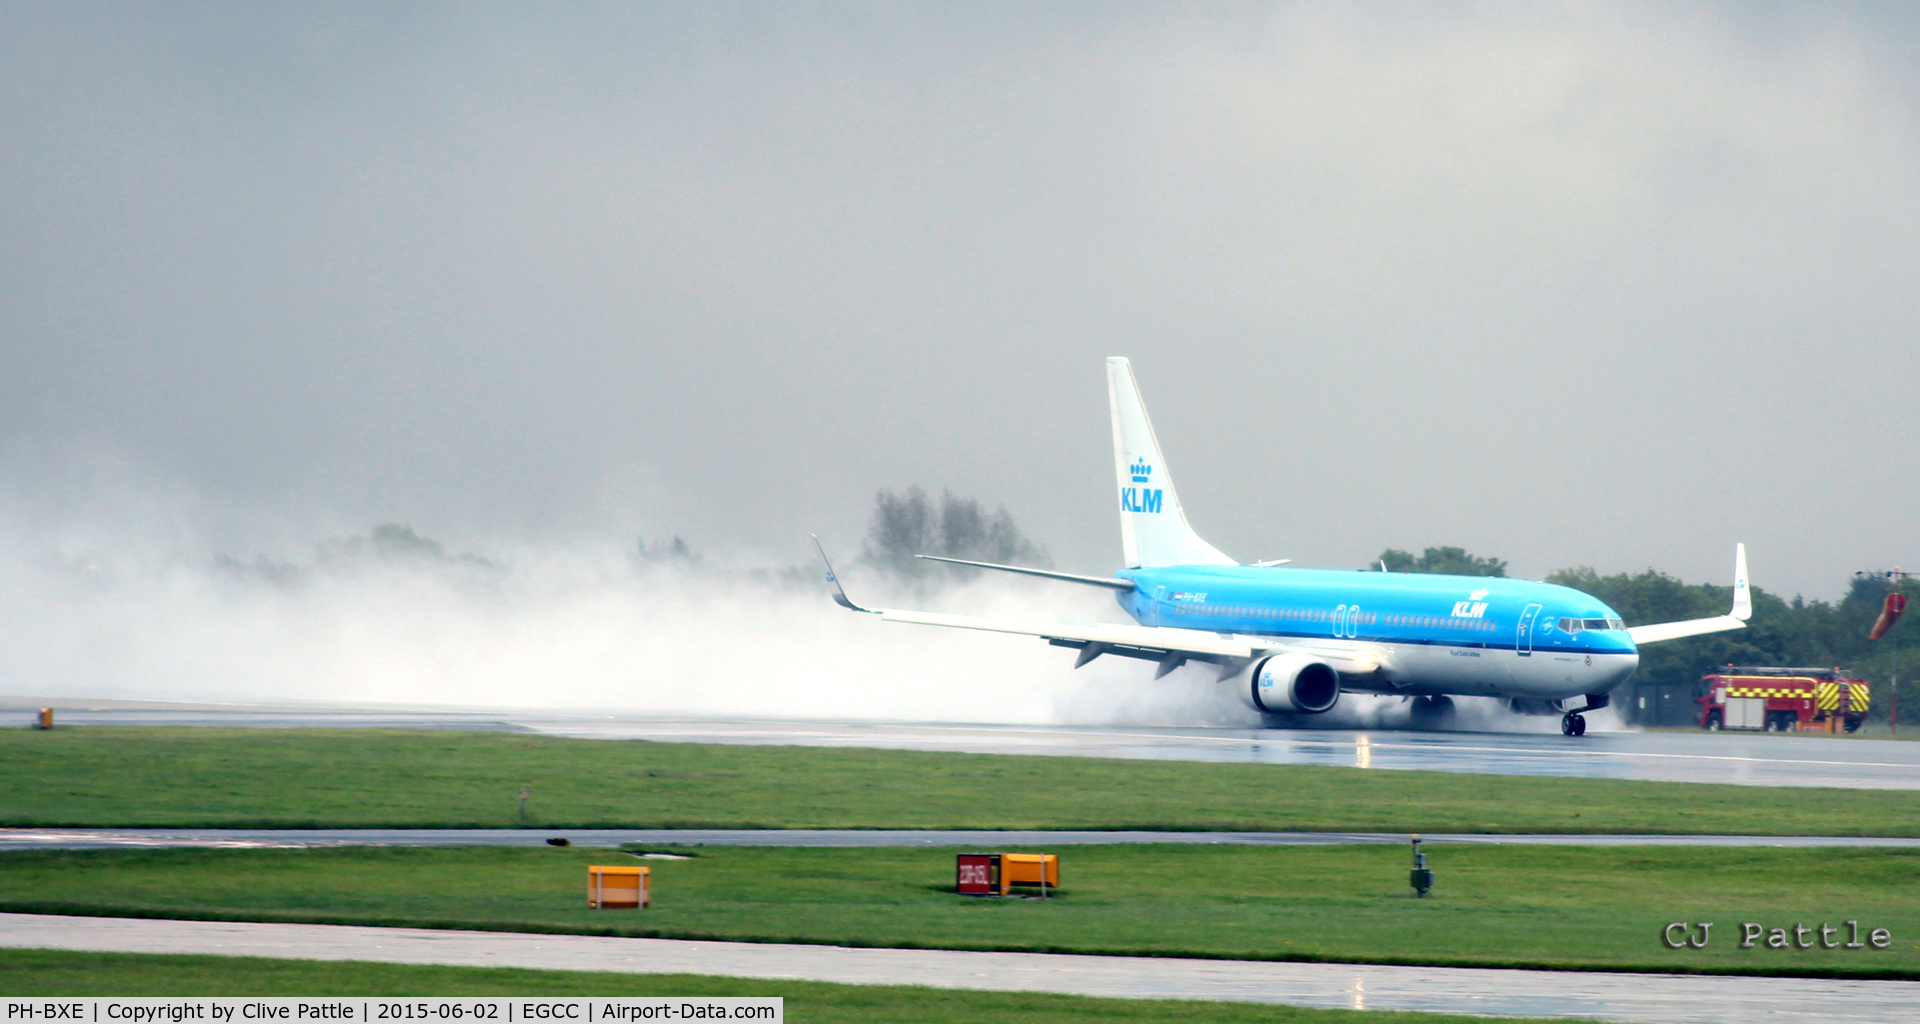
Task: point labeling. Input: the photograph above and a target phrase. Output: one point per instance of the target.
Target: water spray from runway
(124, 595)
(130, 599)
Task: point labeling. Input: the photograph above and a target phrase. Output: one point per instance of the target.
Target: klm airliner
(1290, 640)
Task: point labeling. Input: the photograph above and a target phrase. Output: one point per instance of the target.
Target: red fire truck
(1782, 699)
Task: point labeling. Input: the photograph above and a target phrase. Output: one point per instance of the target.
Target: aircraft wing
(1151, 638)
(1659, 631)
(1168, 645)
(1735, 619)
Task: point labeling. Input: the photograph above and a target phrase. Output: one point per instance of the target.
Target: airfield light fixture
(1420, 878)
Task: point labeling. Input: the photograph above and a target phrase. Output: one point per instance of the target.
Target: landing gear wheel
(1431, 712)
(1573, 725)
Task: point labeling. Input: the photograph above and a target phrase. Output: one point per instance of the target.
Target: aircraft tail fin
(1153, 527)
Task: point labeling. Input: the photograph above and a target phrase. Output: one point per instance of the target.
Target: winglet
(1736, 619)
(839, 593)
(1742, 600)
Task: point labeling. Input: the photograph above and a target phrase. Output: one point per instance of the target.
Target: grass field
(1559, 907)
(1881, 731)
(36, 972)
(375, 778)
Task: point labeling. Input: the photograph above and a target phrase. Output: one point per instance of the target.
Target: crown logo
(1140, 470)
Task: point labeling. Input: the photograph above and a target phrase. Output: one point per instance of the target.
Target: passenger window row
(1440, 622)
(1368, 618)
(1282, 614)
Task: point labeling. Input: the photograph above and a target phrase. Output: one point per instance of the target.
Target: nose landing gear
(1573, 723)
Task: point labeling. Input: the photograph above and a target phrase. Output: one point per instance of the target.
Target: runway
(1673, 999)
(1739, 759)
(218, 838)
(1752, 759)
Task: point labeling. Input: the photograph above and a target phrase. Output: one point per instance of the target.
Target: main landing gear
(1573, 723)
(1431, 712)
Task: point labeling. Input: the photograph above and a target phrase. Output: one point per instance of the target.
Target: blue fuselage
(1438, 634)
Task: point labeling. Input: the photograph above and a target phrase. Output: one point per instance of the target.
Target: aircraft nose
(1628, 665)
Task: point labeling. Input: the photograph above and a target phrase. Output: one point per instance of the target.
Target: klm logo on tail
(1140, 499)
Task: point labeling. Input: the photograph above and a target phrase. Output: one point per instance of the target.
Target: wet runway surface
(1755, 760)
(123, 838)
(1738, 758)
(1674, 999)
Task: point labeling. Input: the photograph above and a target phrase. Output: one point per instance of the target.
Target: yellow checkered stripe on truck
(1826, 696)
(1766, 691)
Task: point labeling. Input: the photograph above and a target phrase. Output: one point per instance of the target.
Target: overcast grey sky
(1605, 284)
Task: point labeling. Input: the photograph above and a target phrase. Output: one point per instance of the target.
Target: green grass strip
(1562, 908)
(364, 778)
(41, 972)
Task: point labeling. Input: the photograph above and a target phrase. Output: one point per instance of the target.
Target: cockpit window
(1579, 625)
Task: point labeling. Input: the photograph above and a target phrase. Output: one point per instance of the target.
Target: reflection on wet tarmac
(1679, 757)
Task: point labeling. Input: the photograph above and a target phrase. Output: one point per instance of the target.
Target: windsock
(1896, 603)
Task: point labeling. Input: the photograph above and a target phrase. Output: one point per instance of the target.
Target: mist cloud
(130, 601)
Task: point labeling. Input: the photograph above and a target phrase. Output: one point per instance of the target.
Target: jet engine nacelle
(1295, 683)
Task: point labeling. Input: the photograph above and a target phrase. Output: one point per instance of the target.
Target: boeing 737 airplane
(1291, 640)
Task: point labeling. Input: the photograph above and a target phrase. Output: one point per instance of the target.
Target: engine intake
(1294, 683)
